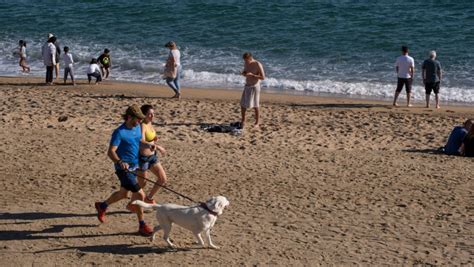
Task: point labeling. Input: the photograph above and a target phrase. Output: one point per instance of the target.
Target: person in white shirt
(173, 68)
(68, 65)
(48, 53)
(94, 71)
(405, 67)
(22, 54)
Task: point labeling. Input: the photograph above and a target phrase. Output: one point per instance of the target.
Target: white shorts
(250, 96)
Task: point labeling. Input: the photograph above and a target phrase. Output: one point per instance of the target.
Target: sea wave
(132, 64)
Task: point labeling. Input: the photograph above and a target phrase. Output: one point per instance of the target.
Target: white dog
(197, 219)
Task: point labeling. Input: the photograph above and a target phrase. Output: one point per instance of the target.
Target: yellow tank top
(150, 133)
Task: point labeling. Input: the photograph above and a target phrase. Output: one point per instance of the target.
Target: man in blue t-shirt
(456, 137)
(124, 152)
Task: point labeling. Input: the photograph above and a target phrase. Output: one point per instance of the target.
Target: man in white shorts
(253, 72)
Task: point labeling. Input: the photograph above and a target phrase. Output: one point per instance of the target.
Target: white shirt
(49, 54)
(68, 61)
(23, 52)
(404, 62)
(93, 68)
(177, 56)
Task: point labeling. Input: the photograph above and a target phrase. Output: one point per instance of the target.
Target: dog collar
(204, 206)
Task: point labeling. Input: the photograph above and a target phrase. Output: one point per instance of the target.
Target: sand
(324, 181)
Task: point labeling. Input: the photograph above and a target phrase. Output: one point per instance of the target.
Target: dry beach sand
(324, 181)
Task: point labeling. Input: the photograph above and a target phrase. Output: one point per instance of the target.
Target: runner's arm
(112, 153)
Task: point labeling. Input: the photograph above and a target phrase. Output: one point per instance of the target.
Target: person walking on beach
(68, 65)
(105, 63)
(173, 68)
(432, 75)
(124, 151)
(405, 67)
(48, 53)
(22, 54)
(148, 153)
(253, 72)
(456, 138)
(94, 71)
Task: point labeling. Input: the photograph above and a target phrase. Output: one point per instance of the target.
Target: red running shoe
(145, 230)
(100, 212)
(150, 200)
(132, 208)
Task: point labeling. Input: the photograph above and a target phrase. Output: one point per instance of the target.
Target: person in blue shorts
(124, 152)
(456, 138)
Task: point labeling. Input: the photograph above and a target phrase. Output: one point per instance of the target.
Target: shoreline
(145, 89)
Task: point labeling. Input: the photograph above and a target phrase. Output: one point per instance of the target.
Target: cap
(135, 111)
(170, 44)
(50, 35)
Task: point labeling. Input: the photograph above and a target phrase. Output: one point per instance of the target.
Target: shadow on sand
(120, 249)
(340, 105)
(28, 216)
(24, 84)
(425, 151)
(9, 235)
(120, 96)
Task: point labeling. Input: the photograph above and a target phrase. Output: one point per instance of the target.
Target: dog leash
(201, 204)
(164, 187)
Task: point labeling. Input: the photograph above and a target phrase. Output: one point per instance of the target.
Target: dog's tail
(145, 205)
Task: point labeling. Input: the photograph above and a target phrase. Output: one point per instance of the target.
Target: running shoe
(150, 200)
(145, 230)
(100, 212)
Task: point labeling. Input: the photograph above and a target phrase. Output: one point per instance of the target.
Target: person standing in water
(68, 65)
(105, 63)
(432, 75)
(22, 54)
(405, 68)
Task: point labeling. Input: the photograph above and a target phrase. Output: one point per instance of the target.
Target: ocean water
(345, 48)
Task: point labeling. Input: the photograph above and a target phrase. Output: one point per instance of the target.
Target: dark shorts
(128, 180)
(145, 162)
(432, 87)
(404, 81)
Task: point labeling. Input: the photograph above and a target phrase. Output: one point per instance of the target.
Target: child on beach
(94, 71)
(22, 54)
(105, 63)
(68, 65)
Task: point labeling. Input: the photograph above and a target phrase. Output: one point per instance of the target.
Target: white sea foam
(359, 89)
(135, 65)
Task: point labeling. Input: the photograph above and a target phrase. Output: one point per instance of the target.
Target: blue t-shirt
(454, 141)
(127, 142)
